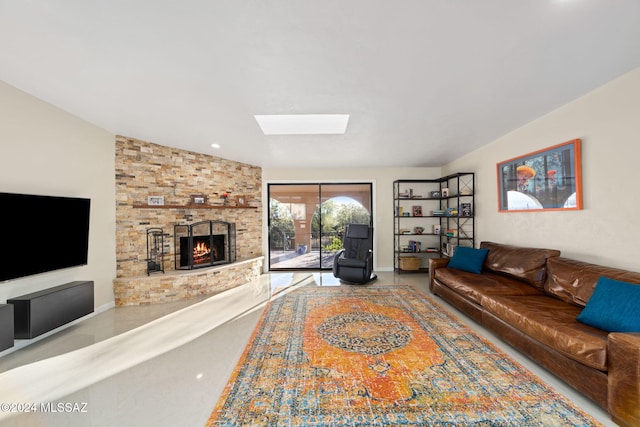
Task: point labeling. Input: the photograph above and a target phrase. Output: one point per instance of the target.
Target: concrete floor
(166, 365)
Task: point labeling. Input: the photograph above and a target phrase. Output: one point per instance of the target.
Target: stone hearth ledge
(179, 285)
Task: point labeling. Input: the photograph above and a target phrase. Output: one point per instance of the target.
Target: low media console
(6, 326)
(42, 311)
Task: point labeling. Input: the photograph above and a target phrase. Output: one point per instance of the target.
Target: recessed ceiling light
(303, 124)
(215, 145)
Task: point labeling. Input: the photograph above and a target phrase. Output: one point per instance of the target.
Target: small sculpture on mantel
(225, 198)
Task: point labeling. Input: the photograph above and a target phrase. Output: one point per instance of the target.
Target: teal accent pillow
(614, 306)
(468, 259)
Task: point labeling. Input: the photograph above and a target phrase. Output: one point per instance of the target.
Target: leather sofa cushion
(474, 286)
(574, 281)
(526, 264)
(552, 322)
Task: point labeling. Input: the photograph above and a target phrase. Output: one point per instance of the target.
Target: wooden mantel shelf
(192, 207)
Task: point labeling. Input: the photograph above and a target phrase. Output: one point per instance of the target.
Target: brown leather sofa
(530, 297)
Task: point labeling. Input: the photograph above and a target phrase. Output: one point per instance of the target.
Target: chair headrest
(358, 231)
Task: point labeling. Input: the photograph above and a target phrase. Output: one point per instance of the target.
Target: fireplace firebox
(203, 244)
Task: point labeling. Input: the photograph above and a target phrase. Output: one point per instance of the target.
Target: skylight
(303, 124)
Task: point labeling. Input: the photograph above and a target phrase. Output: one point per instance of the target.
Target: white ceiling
(425, 81)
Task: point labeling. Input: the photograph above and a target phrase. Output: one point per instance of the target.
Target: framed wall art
(155, 200)
(198, 199)
(547, 179)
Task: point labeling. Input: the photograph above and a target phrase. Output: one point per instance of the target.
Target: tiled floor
(162, 365)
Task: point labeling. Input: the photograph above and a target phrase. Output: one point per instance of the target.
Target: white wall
(44, 150)
(382, 179)
(607, 230)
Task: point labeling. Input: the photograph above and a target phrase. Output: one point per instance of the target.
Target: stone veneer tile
(178, 286)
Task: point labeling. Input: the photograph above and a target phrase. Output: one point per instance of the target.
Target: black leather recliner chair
(354, 263)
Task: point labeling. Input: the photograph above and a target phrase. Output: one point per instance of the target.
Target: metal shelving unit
(458, 203)
(431, 218)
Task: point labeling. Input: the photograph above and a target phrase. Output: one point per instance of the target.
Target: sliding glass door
(307, 222)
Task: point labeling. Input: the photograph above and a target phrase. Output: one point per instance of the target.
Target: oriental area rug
(379, 356)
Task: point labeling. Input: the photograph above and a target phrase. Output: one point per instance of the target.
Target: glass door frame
(303, 240)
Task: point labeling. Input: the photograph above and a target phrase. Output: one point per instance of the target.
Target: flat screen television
(42, 233)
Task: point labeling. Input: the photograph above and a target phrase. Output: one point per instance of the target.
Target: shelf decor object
(155, 200)
(198, 199)
(547, 179)
(225, 198)
(410, 263)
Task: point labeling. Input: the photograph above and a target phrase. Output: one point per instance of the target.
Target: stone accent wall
(144, 169)
(179, 286)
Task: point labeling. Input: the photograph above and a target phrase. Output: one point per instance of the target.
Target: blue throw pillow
(468, 259)
(614, 306)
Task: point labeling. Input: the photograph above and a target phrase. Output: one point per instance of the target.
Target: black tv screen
(42, 233)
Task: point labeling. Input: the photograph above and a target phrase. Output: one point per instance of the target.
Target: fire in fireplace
(204, 244)
(204, 250)
(201, 251)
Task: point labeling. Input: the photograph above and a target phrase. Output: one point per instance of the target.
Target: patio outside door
(307, 222)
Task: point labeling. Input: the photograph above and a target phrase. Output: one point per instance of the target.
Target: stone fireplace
(231, 251)
(204, 244)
